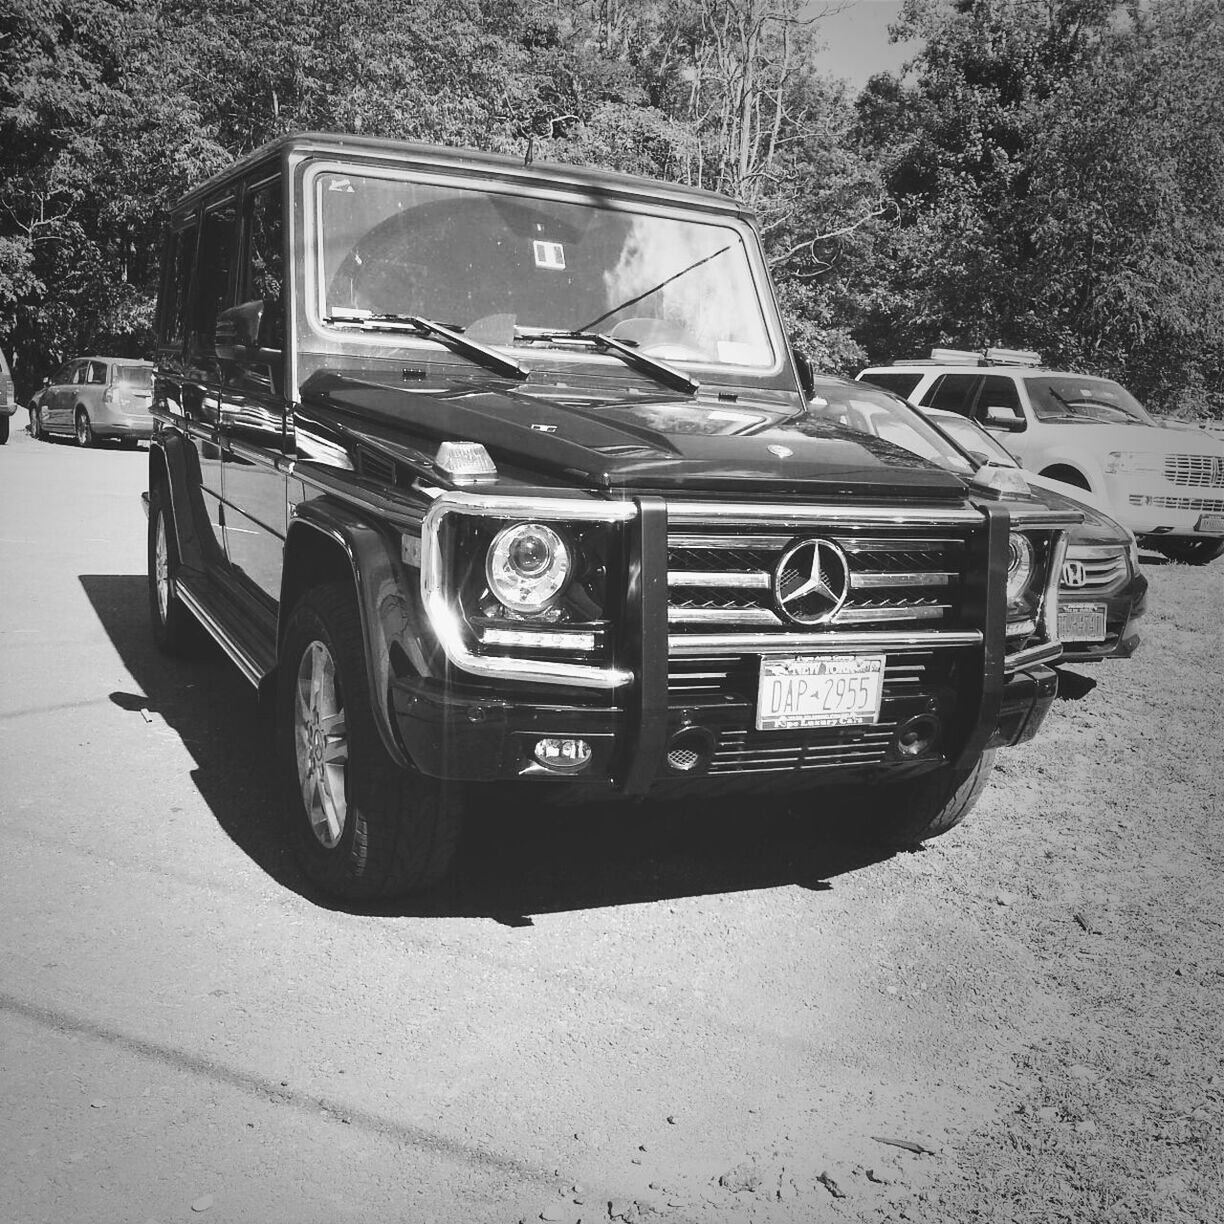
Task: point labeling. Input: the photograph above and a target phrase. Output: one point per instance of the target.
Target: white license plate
(819, 691)
(1210, 524)
(1082, 623)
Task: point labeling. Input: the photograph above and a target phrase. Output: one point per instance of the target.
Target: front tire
(1190, 552)
(84, 430)
(906, 813)
(362, 826)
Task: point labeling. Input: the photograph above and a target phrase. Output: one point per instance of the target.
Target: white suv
(1166, 485)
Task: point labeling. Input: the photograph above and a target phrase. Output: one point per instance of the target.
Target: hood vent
(375, 467)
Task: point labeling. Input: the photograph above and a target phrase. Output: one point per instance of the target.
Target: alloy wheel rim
(161, 562)
(320, 741)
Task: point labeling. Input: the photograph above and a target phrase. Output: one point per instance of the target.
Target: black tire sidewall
(178, 633)
(347, 869)
(401, 828)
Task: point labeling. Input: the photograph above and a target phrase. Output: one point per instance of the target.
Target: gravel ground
(704, 1016)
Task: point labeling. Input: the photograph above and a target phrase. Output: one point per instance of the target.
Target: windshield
(974, 439)
(511, 270)
(140, 377)
(1084, 399)
(871, 410)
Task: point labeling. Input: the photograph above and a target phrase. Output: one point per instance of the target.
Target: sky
(857, 39)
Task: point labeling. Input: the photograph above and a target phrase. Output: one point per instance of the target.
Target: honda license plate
(795, 692)
(1082, 623)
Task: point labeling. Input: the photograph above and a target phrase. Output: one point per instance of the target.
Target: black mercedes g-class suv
(494, 471)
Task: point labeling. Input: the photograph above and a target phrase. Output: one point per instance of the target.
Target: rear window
(898, 384)
(140, 377)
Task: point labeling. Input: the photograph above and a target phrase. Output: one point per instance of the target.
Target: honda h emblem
(1074, 574)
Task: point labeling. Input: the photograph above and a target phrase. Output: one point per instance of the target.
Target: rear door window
(96, 374)
(216, 259)
(180, 257)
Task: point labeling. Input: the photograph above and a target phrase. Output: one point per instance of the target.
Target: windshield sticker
(549, 255)
(341, 184)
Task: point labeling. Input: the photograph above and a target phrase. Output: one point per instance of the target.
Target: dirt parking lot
(711, 1015)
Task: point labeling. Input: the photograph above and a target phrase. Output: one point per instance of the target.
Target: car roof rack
(1007, 356)
(995, 355)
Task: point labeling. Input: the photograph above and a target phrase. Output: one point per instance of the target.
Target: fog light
(563, 755)
(917, 736)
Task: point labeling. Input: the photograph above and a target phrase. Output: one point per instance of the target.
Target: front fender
(388, 596)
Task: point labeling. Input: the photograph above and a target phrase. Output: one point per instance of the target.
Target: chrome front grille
(904, 579)
(745, 751)
(1210, 504)
(1201, 470)
(722, 579)
(735, 676)
(1088, 569)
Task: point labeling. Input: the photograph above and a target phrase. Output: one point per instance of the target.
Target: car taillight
(109, 396)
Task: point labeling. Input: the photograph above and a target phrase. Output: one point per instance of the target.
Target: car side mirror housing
(238, 331)
(1006, 419)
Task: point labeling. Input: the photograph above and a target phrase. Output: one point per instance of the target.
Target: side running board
(250, 641)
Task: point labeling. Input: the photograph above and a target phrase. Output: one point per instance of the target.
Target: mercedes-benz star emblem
(811, 582)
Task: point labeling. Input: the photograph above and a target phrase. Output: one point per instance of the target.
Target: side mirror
(807, 378)
(1006, 419)
(238, 330)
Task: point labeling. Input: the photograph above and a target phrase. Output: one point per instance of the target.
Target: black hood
(554, 435)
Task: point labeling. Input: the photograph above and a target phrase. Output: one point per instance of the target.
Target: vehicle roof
(132, 361)
(469, 161)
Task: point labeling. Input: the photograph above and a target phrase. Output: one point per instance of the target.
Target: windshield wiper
(660, 371)
(491, 359)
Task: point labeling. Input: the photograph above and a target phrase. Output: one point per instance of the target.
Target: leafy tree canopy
(1048, 173)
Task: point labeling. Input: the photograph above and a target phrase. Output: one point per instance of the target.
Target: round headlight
(527, 566)
(1019, 565)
